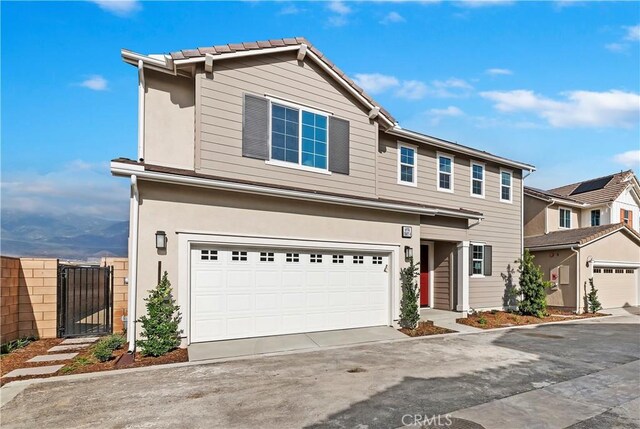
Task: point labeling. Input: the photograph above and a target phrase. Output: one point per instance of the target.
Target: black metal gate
(85, 300)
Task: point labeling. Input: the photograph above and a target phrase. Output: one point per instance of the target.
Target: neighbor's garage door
(617, 287)
(250, 292)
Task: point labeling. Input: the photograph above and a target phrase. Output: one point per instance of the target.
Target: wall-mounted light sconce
(161, 240)
(408, 252)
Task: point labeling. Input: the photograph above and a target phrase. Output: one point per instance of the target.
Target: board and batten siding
(220, 101)
(502, 223)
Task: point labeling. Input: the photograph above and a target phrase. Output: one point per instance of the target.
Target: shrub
(160, 333)
(115, 341)
(103, 350)
(409, 312)
(482, 320)
(15, 345)
(592, 298)
(532, 290)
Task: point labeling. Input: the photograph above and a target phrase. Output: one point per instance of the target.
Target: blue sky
(555, 84)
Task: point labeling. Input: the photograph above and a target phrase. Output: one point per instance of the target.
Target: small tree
(160, 333)
(409, 312)
(592, 298)
(532, 290)
(510, 296)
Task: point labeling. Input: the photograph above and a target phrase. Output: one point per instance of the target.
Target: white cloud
(291, 9)
(449, 111)
(412, 90)
(339, 7)
(450, 88)
(375, 83)
(96, 83)
(616, 47)
(633, 33)
(436, 115)
(121, 8)
(341, 11)
(483, 3)
(498, 72)
(629, 159)
(578, 108)
(392, 18)
(78, 187)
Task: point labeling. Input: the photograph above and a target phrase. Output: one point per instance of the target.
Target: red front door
(424, 276)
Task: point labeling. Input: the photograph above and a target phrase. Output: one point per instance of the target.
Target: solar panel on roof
(592, 185)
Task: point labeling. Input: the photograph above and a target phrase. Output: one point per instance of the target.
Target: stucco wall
(534, 216)
(562, 295)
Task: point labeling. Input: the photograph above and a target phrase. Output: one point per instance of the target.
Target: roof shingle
(577, 236)
(616, 184)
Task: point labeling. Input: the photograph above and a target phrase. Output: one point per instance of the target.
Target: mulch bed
(425, 328)
(84, 362)
(502, 319)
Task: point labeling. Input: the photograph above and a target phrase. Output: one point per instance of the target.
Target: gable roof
(577, 237)
(548, 196)
(599, 190)
(170, 62)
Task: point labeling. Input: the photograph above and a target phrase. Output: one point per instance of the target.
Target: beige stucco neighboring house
(587, 230)
(282, 199)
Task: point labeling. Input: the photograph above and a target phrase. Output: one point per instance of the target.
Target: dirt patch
(83, 363)
(425, 328)
(502, 319)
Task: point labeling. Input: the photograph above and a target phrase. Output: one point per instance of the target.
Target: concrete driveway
(580, 375)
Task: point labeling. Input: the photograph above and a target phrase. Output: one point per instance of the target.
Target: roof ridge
(591, 179)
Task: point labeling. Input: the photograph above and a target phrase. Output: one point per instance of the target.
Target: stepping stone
(67, 348)
(80, 340)
(38, 370)
(49, 358)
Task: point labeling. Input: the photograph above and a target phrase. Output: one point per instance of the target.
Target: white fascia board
(400, 132)
(122, 169)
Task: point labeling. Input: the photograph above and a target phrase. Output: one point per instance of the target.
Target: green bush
(105, 347)
(532, 290)
(103, 350)
(409, 311)
(592, 298)
(15, 345)
(160, 333)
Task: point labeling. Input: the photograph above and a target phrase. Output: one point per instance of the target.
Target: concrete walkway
(283, 343)
(575, 369)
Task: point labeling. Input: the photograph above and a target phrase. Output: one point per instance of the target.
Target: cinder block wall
(28, 296)
(120, 290)
(38, 287)
(9, 273)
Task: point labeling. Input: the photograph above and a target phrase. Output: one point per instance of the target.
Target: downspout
(578, 306)
(133, 263)
(141, 87)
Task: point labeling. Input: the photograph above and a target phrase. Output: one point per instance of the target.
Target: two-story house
(282, 199)
(587, 230)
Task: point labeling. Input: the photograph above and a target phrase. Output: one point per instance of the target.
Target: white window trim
(453, 161)
(415, 164)
(481, 275)
(560, 217)
(300, 107)
(484, 178)
(510, 200)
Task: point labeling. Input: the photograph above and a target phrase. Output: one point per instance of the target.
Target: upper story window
(445, 173)
(407, 162)
(595, 217)
(565, 218)
(477, 180)
(626, 217)
(298, 136)
(506, 185)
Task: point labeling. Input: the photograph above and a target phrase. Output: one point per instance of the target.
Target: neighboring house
(587, 230)
(290, 200)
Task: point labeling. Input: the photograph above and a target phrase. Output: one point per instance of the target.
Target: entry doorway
(424, 275)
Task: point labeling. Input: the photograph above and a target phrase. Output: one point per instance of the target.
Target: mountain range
(65, 236)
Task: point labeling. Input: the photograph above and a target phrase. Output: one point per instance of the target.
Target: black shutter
(488, 257)
(338, 145)
(255, 127)
(471, 259)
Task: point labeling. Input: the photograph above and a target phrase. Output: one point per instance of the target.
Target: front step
(440, 315)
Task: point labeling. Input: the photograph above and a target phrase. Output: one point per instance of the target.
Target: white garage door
(251, 292)
(617, 287)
